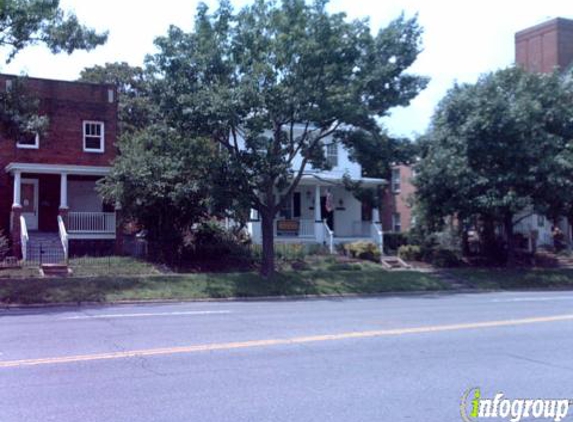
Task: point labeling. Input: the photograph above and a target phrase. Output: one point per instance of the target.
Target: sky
(461, 40)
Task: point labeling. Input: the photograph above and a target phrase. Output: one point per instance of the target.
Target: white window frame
(396, 180)
(332, 154)
(102, 139)
(36, 144)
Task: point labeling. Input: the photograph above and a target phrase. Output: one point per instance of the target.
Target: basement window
(28, 141)
(94, 136)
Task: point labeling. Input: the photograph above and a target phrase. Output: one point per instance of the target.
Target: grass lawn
(359, 280)
(488, 278)
(90, 267)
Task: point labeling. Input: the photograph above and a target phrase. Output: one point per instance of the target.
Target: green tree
(136, 109)
(28, 22)
(246, 79)
(492, 147)
(376, 151)
(162, 180)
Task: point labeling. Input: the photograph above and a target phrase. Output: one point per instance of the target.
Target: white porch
(61, 199)
(306, 218)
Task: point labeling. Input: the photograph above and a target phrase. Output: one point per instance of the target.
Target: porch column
(64, 191)
(118, 229)
(17, 189)
(16, 214)
(63, 209)
(318, 229)
(375, 215)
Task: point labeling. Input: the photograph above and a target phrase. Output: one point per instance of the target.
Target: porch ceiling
(323, 180)
(57, 169)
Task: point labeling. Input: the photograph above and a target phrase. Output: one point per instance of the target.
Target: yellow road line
(278, 342)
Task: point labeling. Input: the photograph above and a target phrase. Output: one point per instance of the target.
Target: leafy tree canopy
(163, 181)
(492, 146)
(28, 22)
(136, 108)
(271, 82)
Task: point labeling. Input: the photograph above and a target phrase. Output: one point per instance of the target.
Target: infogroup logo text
(476, 408)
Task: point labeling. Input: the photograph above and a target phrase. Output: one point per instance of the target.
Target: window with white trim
(94, 136)
(396, 180)
(332, 154)
(28, 140)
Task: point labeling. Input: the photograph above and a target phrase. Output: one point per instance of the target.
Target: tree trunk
(508, 223)
(488, 247)
(268, 262)
(465, 240)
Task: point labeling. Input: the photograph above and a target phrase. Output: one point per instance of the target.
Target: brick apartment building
(397, 202)
(545, 47)
(47, 180)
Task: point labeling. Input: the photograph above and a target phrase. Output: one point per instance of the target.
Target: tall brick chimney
(543, 47)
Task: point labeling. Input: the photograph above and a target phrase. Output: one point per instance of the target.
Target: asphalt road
(382, 359)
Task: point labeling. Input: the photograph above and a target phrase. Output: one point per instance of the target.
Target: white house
(321, 210)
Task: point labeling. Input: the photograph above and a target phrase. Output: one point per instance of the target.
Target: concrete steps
(45, 248)
(55, 270)
(393, 262)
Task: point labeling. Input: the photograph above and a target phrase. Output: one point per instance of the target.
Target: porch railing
(91, 222)
(328, 237)
(306, 228)
(377, 236)
(24, 237)
(63, 236)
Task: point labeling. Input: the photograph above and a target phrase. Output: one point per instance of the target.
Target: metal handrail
(63, 236)
(378, 236)
(24, 237)
(329, 235)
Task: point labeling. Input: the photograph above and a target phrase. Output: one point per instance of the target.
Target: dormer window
(28, 140)
(94, 136)
(332, 154)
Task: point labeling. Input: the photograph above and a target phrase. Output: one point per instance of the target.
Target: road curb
(250, 299)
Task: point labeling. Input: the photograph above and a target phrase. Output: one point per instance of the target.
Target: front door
(29, 198)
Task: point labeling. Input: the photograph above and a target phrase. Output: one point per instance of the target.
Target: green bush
(363, 250)
(211, 245)
(444, 258)
(410, 252)
(393, 241)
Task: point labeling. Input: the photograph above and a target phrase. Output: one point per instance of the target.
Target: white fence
(306, 228)
(91, 222)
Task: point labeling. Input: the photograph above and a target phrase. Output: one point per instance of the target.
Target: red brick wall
(543, 47)
(399, 202)
(67, 105)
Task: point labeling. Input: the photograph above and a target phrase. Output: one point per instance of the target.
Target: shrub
(393, 241)
(212, 244)
(444, 258)
(410, 252)
(363, 250)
